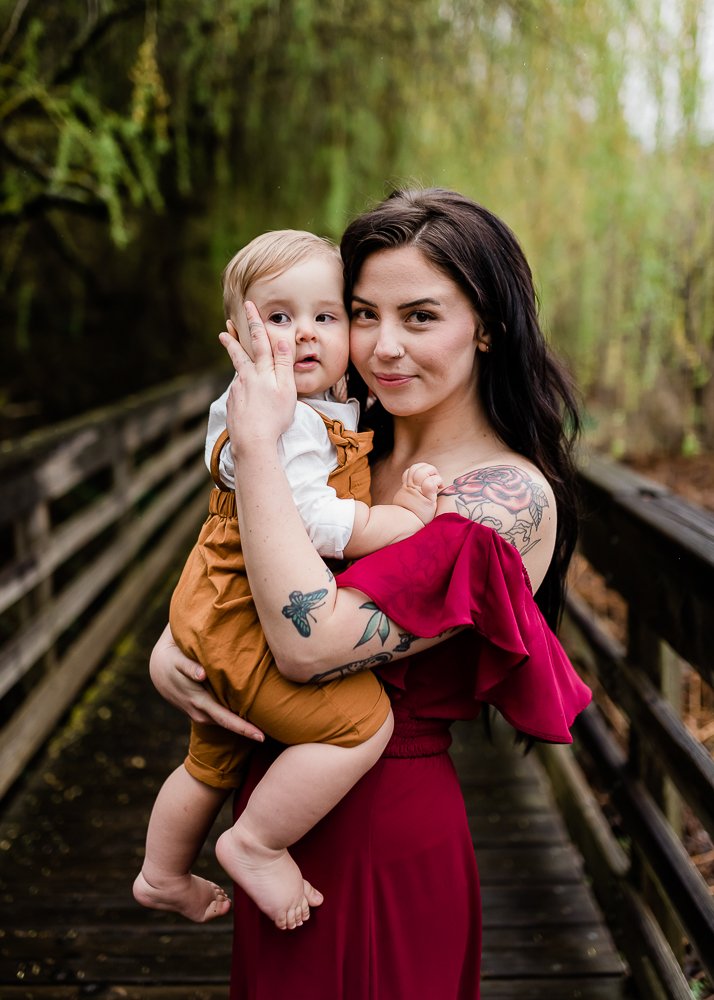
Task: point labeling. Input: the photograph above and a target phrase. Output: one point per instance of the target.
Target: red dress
(401, 918)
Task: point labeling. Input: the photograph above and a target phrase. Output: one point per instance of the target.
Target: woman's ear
(483, 339)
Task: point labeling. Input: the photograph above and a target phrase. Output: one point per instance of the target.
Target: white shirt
(308, 457)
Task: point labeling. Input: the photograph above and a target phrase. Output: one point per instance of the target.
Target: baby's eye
(325, 318)
(279, 318)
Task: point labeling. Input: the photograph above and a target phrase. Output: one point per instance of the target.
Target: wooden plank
(511, 953)
(181, 954)
(199, 991)
(531, 906)
(521, 799)
(515, 865)
(553, 989)
(491, 828)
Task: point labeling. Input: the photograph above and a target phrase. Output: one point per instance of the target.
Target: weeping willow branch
(72, 63)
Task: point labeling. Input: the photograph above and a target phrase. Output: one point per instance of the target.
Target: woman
(445, 335)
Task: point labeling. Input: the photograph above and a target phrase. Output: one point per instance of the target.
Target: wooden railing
(638, 765)
(92, 514)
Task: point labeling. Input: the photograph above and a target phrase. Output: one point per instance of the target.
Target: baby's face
(304, 306)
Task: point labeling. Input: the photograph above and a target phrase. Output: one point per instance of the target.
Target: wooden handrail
(93, 512)
(657, 551)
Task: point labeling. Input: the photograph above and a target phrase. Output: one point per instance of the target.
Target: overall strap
(216, 459)
(345, 443)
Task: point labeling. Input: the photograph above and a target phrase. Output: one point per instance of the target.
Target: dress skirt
(401, 919)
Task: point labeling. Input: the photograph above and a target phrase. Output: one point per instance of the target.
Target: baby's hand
(420, 484)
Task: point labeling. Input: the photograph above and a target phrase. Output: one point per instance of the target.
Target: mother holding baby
(445, 335)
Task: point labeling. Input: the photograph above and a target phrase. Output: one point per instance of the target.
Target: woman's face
(413, 334)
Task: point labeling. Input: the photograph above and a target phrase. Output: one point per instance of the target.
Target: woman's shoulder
(509, 494)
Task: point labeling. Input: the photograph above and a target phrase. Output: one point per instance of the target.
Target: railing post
(32, 534)
(649, 654)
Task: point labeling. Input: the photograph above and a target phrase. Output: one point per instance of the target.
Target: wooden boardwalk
(71, 838)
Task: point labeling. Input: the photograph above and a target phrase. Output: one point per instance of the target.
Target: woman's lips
(392, 380)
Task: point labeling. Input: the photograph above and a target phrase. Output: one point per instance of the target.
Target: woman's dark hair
(526, 393)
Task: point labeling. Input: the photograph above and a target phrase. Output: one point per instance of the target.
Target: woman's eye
(279, 318)
(361, 312)
(421, 316)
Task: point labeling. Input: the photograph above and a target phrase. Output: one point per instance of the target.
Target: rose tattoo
(503, 498)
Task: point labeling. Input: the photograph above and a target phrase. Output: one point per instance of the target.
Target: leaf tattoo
(300, 608)
(378, 623)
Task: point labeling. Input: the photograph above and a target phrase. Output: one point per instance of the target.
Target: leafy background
(143, 142)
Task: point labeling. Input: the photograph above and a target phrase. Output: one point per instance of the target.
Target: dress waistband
(418, 737)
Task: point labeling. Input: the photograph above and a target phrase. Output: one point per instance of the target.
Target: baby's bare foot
(270, 877)
(189, 895)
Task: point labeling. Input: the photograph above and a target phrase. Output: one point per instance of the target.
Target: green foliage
(142, 142)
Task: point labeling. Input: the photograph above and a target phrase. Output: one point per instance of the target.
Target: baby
(335, 731)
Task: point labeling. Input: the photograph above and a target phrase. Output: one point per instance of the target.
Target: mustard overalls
(214, 621)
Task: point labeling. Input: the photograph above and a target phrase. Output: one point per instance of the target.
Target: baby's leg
(301, 787)
(183, 814)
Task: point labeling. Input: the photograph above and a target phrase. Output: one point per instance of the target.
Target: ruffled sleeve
(457, 572)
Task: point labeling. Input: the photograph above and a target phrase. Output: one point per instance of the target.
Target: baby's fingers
(431, 485)
(416, 475)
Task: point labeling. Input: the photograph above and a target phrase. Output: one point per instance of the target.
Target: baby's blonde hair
(267, 256)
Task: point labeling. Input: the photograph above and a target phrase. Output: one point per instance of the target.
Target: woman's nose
(387, 344)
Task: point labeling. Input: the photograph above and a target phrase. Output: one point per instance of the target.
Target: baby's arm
(413, 506)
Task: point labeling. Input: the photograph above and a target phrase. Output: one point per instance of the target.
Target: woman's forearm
(315, 630)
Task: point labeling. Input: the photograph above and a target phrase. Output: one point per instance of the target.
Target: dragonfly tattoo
(300, 608)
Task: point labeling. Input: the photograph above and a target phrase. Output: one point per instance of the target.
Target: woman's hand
(261, 401)
(180, 681)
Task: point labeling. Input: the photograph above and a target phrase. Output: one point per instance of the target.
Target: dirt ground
(692, 478)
